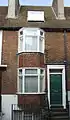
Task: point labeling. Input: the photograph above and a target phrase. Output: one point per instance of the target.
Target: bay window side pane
(42, 84)
(20, 84)
(41, 44)
(21, 43)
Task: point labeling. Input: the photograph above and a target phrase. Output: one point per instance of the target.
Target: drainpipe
(65, 63)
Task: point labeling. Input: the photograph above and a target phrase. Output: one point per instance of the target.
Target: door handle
(56, 91)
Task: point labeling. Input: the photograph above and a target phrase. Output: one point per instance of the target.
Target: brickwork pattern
(9, 50)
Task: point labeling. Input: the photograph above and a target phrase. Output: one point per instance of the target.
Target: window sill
(30, 93)
(29, 52)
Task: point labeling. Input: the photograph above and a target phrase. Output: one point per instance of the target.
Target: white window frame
(35, 32)
(38, 74)
(35, 16)
(62, 67)
(1, 34)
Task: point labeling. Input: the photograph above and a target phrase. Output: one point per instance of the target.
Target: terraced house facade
(34, 59)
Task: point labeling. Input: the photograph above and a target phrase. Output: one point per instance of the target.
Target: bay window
(31, 80)
(31, 40)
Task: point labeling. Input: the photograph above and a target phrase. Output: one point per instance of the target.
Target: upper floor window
(31, 80)
(31, 40)
(36, 16)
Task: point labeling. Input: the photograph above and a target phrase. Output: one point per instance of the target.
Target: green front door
(56, 89)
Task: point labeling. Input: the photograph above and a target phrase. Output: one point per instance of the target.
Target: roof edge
(44, 28)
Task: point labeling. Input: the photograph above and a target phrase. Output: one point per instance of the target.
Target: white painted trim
(1, 34)
(63, 82)
(7, 101)
(48, 81)
(56, 73)
(17, 80)
(31, 93)
(33, 15)
(64, 88)
(3, 66)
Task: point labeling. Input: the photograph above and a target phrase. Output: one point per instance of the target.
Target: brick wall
(54, 47)
(54, 51)
(31, 60)
(9, 50)
(30, 99)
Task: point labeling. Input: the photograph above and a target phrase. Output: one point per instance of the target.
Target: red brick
(9, 50)
(31, 60)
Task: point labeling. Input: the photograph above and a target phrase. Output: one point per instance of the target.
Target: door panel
(56, 89)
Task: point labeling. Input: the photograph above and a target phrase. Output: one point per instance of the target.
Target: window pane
(41, 71)
(41, 33)
(21, 33)
(20, 84)
(41, 44)
(20, 71)
(31, 71)
(21, 43)
(31, 43)
(31, 84)
(41, 83)
(55, 70)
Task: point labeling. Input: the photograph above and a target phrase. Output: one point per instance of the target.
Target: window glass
(21, 32)
(21, 43)
(41, 83)
(20, 84)
(55, 70)
(31, 84)
(31, 71)
(41, 71)
(20, 71)
(31, 43)
(41, 44)
(20, 81)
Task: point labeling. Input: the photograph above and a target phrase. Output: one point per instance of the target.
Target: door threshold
(56, 106)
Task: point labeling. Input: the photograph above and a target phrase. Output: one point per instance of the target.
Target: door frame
(63, 82)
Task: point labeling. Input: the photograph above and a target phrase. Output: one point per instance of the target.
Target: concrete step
(64, 113)
(59, 118)
(58, 110)
(58, 113)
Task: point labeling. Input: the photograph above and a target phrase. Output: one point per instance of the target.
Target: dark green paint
(56, 89)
